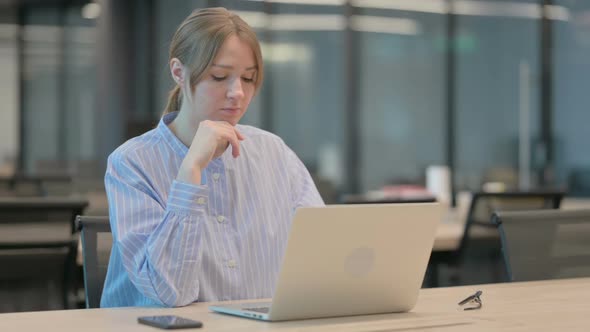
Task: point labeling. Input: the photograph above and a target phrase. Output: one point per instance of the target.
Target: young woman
(200, 207)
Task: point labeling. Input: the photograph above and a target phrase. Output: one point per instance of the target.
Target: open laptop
(346, 260)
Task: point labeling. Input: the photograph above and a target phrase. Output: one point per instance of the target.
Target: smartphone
(169, 322)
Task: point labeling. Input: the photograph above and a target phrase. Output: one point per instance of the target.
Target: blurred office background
(368, 93)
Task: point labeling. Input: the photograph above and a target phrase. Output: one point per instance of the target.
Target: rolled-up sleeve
(159, 242)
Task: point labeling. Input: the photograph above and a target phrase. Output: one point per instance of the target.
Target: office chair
(97, 242)
(480, 238)
(538, 245)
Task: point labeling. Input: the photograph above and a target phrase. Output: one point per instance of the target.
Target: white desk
(450, 229)
(560, 305)
(448, 236)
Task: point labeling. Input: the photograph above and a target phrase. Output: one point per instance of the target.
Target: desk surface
(448, 236)
(559, 305)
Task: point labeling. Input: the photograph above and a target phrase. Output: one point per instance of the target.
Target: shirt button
(201, 200)
(216, 176)
(231, 263)
(220, 219)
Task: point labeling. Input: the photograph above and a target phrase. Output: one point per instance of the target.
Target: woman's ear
(177, 71)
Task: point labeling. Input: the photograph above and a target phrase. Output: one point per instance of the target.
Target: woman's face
(225, 91)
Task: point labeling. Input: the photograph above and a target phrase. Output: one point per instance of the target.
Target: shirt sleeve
(304, 192)
(159, 242)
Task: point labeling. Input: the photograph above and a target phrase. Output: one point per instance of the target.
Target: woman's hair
(197, 41)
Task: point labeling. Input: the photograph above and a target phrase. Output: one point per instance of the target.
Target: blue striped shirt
(176, 243)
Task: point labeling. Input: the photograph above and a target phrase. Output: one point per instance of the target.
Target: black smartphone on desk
(169, 322)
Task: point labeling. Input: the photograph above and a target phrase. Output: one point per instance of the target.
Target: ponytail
(173, 100)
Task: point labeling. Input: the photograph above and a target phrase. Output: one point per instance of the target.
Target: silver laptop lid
(355, 259)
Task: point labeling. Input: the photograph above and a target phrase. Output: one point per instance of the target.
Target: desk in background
(37, 250)
(530, 306)
(362, 199)
(450, 230)
(35, 212)
(32, 185)
(449, 235)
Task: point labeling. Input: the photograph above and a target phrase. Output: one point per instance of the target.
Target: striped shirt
(176, 243)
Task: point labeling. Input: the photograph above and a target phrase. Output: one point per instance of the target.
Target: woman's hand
(210, 142)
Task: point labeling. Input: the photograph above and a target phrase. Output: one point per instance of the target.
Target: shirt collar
(169, 136)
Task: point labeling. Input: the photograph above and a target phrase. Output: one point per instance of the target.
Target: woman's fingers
(233, 136)
(234, 141)
(240, 136)
(212, 140)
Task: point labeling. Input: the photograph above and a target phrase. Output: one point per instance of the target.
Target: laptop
(344, 260)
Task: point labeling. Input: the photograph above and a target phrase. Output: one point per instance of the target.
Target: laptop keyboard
(263, 310)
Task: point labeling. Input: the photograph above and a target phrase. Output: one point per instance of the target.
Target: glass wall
(59, 84)
(391, 52)
(307, 66)
(571, 80)
(497, 90)
(80, 37)
(402, 94)
(42, 103)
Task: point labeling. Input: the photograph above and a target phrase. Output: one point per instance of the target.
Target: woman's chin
(233, 120)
